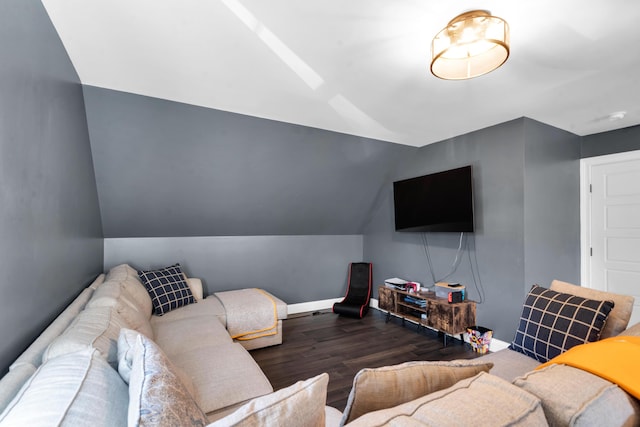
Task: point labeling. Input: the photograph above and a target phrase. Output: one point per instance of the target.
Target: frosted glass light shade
(473, 43)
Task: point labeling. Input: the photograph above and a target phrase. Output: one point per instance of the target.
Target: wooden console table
(437, 313)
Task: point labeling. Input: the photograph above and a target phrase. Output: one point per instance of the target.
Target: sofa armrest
(195, 285)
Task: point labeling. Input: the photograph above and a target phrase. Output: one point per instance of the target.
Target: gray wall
(165, 169)
(618, 141)
(552, 205)
(218, 191)
(51, 236)
(241, 201)
(294, 268)
(497, 157)
(509, 162)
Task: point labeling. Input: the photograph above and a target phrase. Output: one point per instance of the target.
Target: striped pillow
(167, 288)
(553, 322)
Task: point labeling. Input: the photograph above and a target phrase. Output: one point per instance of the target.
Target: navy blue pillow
(167, 288)
(553, 322)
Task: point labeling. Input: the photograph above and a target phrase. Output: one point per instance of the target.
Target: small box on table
(452, 292)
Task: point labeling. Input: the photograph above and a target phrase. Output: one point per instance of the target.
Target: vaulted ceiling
(361, 67)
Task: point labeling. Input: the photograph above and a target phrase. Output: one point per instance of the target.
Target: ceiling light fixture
(473, 43)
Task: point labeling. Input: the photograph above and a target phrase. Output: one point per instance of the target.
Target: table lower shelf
(421, 323)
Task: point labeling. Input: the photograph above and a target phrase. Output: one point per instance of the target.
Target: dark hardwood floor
(341, 346)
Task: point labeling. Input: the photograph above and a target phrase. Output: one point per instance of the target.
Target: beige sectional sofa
(505, 388)
(106, 361)
(557, 395)
(71, 374)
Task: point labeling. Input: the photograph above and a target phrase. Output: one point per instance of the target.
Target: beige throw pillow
(157, 396)
(299, 405)
(482, 400)
(195, 285)
(73, 389)
(385, 387)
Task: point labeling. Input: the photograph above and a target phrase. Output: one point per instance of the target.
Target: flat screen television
(437, 202)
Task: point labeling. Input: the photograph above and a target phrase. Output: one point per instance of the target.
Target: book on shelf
(416, 301)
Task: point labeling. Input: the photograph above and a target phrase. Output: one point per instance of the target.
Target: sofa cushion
(509, 364)
(553, 322)
(34, 353)
(112, 294)
(96, 327)
(76, 389)
(222, 375)
(573, 397)
(380, 388)
(619, 316)
(188, 334)
(480, 400)
(120, 273)
(208, 307)
(301, 404)
(633, 330)
(128, 278)
(157, 396)
(134, 319)
(126, 349)
(109, 294)
(167, 287)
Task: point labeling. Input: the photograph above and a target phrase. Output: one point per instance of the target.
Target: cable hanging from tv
(463, 244)
(456, 260)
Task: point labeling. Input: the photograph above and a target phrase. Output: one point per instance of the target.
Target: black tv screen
(437, 202)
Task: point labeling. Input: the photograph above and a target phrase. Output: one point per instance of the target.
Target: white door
(611, 250)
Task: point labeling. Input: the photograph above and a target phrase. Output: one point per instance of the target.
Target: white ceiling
(361, 66)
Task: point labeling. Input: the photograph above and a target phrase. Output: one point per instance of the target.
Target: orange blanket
(614, 359)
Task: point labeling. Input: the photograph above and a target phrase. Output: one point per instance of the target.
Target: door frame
(586, 165)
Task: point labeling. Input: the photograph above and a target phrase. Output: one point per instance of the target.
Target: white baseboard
(304, 307)
(497, 345)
